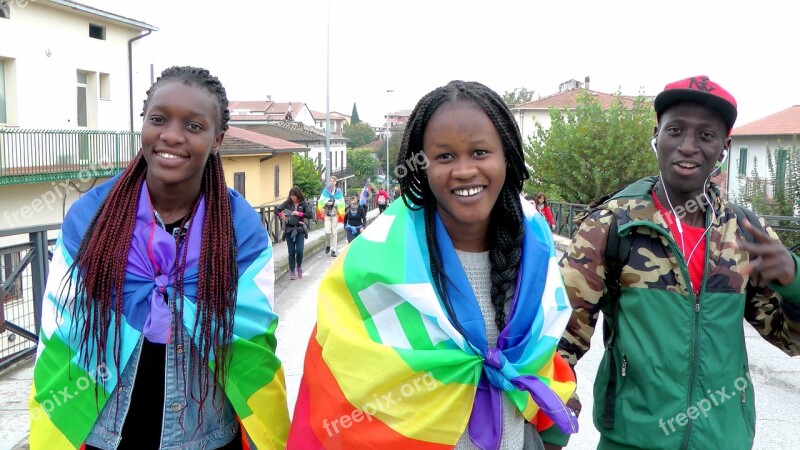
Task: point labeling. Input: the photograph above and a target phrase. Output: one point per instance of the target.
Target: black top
(357, 218)
(142, 427)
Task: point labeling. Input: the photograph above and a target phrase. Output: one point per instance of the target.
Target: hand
(361, 230)
(294, 213)
(552, 228)
(575, 404)
(769, 259)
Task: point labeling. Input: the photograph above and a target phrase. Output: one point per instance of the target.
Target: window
(743, 162)
(97, 32)
(277, 181)
(105, 86)
(3, 117)
(780, 170)
(238, 182)
(83, 82)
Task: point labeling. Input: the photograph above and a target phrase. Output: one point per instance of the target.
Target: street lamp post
(388, 134)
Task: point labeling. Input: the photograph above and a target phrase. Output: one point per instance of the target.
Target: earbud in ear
(653, 145)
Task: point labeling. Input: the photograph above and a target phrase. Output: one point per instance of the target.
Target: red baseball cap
(698, 89)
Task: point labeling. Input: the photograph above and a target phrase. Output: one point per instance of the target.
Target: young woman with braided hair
(457, 287)
(157, 317)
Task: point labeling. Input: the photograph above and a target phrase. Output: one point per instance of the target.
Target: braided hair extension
(506, 221)
(103, 253)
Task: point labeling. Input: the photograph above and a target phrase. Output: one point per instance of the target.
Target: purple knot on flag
(157, 326)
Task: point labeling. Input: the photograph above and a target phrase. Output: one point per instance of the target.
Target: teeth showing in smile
(467, 192)
(168, 155)
(687, 165)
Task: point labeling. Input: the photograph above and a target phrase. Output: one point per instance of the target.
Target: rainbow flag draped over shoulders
(338, 199)
(255, 383)
(385, 368)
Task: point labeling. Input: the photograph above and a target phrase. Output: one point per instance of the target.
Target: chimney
(586, 82)
(269, 98)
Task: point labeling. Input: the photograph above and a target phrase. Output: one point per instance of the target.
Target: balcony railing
(33, 156)
(347, 172)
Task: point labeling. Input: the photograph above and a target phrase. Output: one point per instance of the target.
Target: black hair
(506, 221)
(197, 76)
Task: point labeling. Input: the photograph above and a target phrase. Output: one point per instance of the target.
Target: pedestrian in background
(295, 213)
(355, 219)
(453, 302)
(157, 317)
(540, 202)
(330, 209)
(382, 199)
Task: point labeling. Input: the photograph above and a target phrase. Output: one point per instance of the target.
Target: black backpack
(617, 254)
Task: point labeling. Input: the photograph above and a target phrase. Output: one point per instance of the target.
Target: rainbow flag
(339, 203)
(385, 368)
(255, 384)
(364, 195)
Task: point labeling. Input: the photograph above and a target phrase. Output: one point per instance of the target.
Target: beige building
(258, 166)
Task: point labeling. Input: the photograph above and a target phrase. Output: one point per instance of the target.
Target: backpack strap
(741, 214)
(617, 253)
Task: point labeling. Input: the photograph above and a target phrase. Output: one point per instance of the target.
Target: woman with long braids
(438, 327)
(157, 322)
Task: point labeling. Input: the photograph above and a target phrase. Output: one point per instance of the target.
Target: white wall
(318, 150)
(527, 119)
(46, 86)
(756, 149)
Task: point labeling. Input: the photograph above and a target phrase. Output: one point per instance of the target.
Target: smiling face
(690, 139)
(467, 169)
(179, 132)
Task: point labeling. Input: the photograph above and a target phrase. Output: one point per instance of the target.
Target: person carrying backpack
(675, 268)
(382, 199)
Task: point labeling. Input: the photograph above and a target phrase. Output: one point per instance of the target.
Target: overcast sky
(278, 48)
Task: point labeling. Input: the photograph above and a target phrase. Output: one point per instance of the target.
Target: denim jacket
(219, 424)
(181, 413)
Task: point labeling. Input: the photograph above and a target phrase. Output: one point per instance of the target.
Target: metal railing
(564, 216)
(23, 275)
(31, 156)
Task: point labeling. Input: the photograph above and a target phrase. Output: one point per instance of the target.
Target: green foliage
(359, 134)
(778, 194)
(364, 163)
(394, 148)
(589, 152)
(354, 116)
(307, 175)
(517, 96)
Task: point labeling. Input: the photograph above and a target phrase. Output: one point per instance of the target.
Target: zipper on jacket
(696, 335)
(624, 365)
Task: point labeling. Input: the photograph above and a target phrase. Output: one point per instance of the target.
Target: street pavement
(776, 377)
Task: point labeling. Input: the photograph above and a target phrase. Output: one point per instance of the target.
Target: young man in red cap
(675, 373)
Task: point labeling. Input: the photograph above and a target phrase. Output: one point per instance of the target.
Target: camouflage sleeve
(583, 270)
(775, 310)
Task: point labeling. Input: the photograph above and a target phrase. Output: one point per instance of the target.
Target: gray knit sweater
(478, 269)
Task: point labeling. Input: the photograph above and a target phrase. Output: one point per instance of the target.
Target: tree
(359, 134)
(354, 116)
(364, 163)
(590, 151)
(307, 176)
(517, 96)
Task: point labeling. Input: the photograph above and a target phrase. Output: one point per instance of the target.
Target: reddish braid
(101, 261)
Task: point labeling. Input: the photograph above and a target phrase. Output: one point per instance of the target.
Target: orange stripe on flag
(324, 418)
